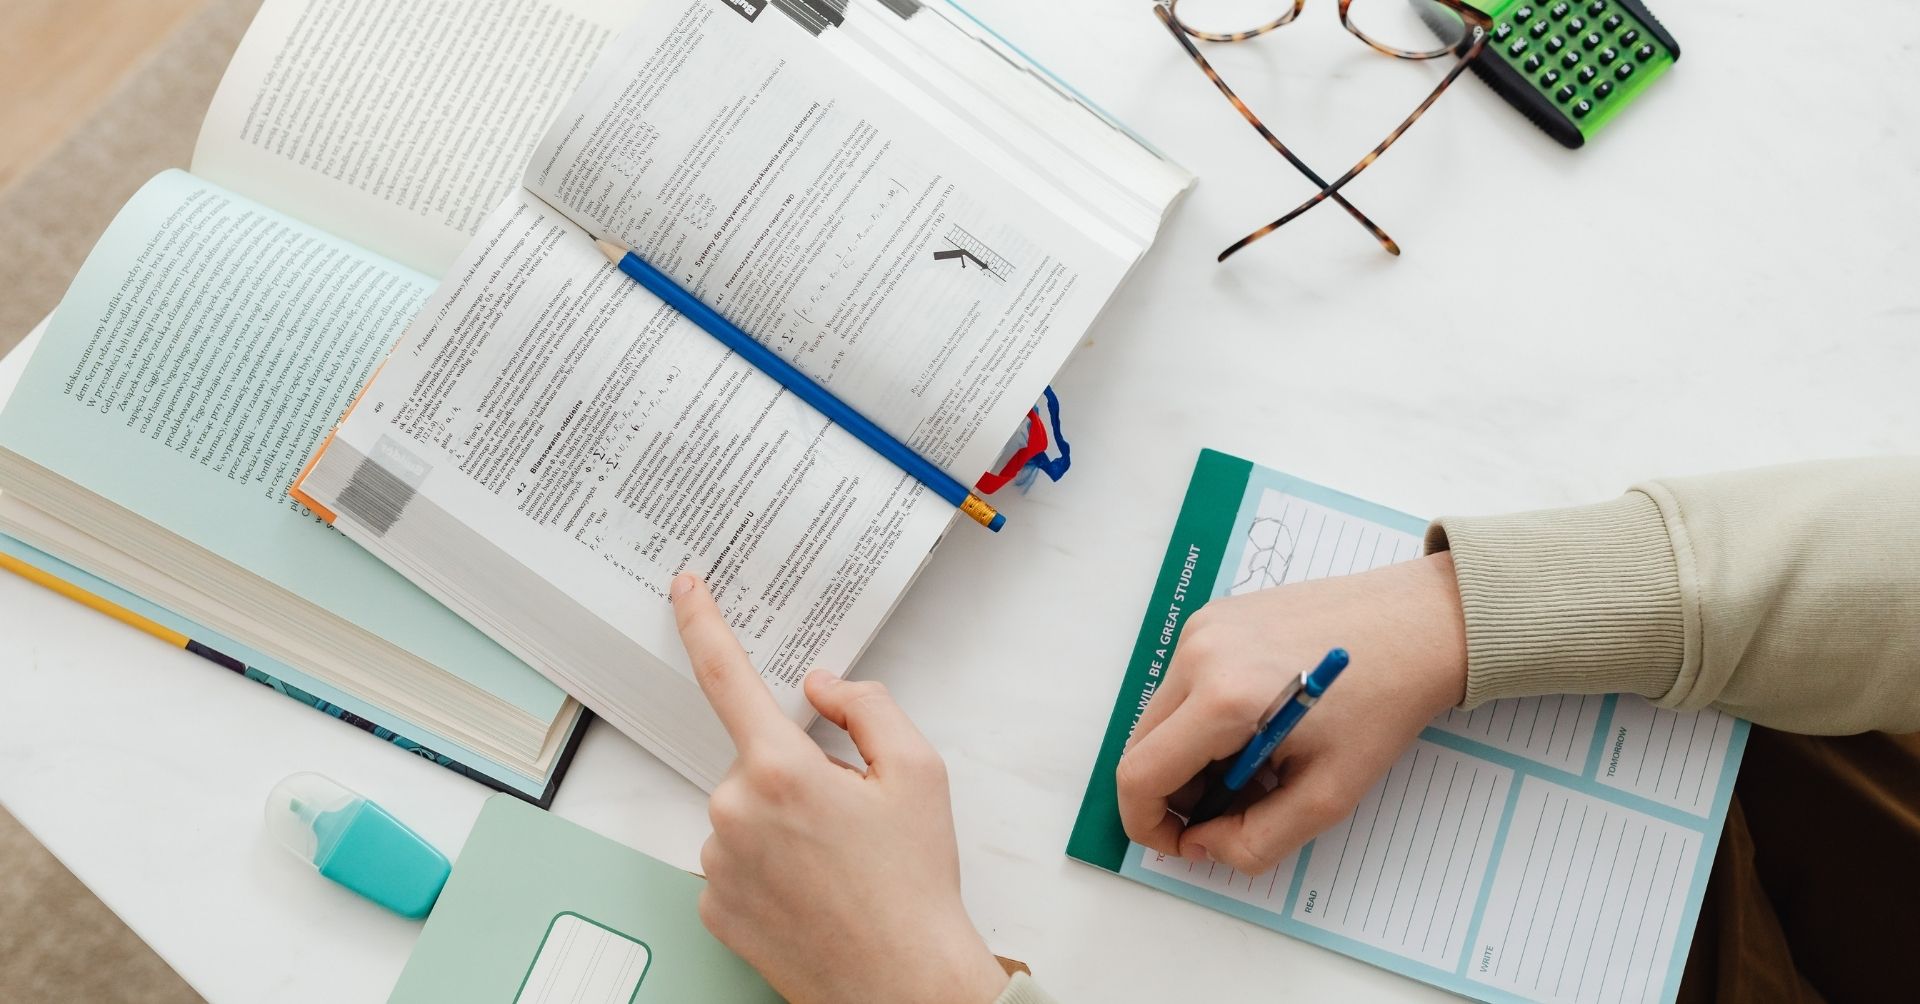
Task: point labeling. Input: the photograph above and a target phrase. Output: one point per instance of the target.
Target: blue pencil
(802, 386)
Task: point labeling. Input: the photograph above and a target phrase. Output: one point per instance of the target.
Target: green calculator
(1572, 66)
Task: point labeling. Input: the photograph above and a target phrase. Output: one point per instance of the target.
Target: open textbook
(229, 315)
(1538, 849)
(550, 444)
(353, 151)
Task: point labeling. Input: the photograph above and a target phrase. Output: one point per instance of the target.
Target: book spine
(335, 711)
(32, 564)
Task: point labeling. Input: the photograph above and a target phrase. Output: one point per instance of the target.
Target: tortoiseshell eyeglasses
(1429, 29)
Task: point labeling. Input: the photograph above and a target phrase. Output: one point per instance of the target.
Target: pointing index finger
(738, 695)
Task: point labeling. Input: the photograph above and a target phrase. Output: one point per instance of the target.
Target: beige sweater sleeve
(1786, 595)
(1023, 990)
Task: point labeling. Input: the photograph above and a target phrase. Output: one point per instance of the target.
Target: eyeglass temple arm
(1273, 141)
(1333, 191)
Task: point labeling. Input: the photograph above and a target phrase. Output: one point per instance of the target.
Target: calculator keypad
(1572, 31)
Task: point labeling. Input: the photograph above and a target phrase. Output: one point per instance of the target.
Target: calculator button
(1571, 59)
(1519, 46)
(1534, 62)
(1587, 73)
(1564, 94)
(1501, 31)
(1605, 88)
(1539, 27)
(1623, 71)
(1613, 23)
(1523, 13)
(1597, 7)
(1576, 26)
(1581, 108)
(1549, 78)
(1593, 40)
(1630, 37)
(1561, 10)
(1556, 43)
(1645, 52)
(1608, 55)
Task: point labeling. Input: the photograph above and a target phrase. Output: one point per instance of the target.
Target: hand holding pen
(1404, 628)
(1296, 699)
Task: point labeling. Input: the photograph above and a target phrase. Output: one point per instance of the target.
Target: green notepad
(540, 910)
(1537, 849)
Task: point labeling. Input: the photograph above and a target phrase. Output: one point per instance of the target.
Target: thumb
(887, 739)
(1256, 840)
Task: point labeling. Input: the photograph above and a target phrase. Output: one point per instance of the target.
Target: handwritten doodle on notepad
(1291, 540)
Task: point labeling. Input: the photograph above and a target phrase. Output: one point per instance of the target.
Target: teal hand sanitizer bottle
(356, 843)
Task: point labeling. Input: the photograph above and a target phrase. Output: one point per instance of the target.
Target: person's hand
(836, 885)
(1407, 637)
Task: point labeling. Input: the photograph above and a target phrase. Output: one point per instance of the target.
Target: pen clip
(1294, 688)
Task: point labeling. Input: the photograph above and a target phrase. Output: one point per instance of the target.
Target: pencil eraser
(998, 522)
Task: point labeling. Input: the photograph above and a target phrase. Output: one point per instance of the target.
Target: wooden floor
(59, 59)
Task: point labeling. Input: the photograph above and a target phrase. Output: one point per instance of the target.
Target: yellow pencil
(81, 596)
(119, 613)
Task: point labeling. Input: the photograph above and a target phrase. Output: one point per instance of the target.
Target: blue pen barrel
(1248, 762)
(1220, 791)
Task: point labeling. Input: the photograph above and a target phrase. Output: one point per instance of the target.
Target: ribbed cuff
(1023, 991)
(1568, 601)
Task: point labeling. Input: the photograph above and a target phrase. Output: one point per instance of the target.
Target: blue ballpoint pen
(802, 386)
(1287, 710)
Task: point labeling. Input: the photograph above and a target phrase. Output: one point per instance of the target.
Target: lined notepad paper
(1547, 849)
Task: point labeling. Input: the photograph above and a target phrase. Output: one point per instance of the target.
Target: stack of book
(883, 193)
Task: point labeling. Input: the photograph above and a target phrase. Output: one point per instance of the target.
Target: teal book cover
(283, 679)
(541, 910)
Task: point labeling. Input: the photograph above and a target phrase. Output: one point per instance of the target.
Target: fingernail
(682, 584)
(1198, 854)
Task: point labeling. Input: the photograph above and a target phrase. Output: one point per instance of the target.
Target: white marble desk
(1725, 278)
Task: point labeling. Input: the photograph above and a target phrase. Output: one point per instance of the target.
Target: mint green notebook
(540, 910)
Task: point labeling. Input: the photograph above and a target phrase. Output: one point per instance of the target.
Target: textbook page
(397, 124)
(548, 429)
(791, 193)
(203, 348)
(1542, 849)
(550, 444)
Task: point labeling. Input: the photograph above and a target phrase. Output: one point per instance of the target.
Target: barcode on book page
(377, 494)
